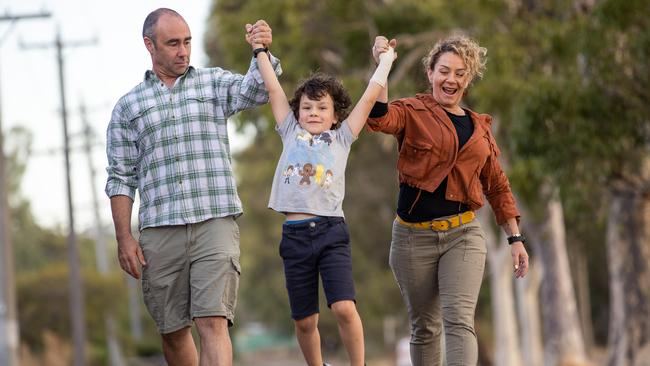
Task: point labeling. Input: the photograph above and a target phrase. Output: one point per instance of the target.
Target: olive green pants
(439, 274)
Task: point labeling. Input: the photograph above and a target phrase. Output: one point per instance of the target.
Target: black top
(416, 205)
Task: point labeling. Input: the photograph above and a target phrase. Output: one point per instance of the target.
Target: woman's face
(449, 79)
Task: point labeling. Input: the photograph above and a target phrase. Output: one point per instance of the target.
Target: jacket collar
(437, 109)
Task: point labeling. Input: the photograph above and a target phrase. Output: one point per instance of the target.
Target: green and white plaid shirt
(172, 144)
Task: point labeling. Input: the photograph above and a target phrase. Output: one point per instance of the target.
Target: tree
(586, 125)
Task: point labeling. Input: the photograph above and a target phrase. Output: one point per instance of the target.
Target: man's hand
(519, 259)
(381, 45)
(130, 255)
(259, 34)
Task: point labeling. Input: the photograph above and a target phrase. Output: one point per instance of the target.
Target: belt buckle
(441, 225)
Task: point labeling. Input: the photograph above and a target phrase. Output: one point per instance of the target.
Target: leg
(301, 276)
(214, 281)
(414, 260)
(179, 349)
(309, 339)
(335, 266)
(165, 290)
(216, 348)
(461, 273)
(351, 330)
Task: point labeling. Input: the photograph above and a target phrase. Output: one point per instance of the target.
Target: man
(167, 138)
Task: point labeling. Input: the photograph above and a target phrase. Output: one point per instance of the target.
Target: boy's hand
(259, 35)
(381, 45)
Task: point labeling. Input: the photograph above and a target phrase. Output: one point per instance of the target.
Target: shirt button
(180, 182)
(312, 224)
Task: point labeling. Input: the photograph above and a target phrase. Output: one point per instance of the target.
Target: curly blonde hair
(473, 55)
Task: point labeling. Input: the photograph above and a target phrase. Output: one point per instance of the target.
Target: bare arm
(256, 36)
(517, 249)
(129, 252)
(359, 115)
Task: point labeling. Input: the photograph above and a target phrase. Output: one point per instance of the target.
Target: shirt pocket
(202, 107)
(414, 157)
(147, 121)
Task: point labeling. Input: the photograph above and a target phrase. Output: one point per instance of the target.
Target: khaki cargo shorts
(192, 271)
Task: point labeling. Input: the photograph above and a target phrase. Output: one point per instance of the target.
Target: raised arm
(375, 88)
(255, 35)
(381, 45)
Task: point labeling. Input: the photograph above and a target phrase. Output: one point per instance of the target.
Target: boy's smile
(316, 116)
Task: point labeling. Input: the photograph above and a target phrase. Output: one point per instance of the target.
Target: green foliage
(42, 276)
(43, 298)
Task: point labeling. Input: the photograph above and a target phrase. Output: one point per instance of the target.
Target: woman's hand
(519, 259)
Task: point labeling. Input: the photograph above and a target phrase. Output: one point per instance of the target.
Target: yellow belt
(441, 224)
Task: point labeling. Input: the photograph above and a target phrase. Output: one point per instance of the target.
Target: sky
(96, 75)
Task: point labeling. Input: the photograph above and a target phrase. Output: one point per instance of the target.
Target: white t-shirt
(310, 176)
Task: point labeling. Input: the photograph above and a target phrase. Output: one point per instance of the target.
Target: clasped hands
(260, 35)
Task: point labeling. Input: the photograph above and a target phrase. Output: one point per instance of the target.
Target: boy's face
(316, 116)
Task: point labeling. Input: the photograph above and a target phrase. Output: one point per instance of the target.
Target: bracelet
(515, 238)
(261, 49)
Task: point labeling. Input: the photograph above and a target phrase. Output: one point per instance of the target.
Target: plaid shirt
(172, 144)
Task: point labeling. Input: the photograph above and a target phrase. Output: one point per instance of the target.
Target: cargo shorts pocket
(229, 298)
(153, 303)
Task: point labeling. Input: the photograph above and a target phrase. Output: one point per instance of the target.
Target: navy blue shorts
(311, 247)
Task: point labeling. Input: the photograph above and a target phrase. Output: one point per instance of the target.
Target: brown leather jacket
(428, 152)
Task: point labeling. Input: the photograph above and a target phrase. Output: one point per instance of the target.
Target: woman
(447, 162)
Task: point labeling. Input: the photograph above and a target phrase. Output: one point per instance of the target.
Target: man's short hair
(152, 19)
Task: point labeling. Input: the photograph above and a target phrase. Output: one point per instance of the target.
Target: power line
(76, 284)
(9, 329)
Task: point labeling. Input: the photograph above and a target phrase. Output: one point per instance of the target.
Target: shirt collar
(149, 75)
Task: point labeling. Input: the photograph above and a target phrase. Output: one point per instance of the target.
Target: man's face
(170, 53)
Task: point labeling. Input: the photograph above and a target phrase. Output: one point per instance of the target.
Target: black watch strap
(515, 238)
(261, 49)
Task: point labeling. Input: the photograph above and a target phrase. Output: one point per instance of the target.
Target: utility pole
(77, 316)
(115, 357)
(9, 330)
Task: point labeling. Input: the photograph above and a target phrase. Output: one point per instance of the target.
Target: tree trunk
(581, 274)
(506, 337)
(563, 340)
(527, 295)
(628, 249)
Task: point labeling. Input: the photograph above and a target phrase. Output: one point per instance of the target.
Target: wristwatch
(261, 49)
(515, 238)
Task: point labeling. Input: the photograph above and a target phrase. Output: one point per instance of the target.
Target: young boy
(308, 188)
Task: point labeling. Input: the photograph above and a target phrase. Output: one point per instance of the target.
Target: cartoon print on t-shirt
(323, 138)
(311, 157)
(318, 176)
(288, 173)
(328, 178)
(306, 173)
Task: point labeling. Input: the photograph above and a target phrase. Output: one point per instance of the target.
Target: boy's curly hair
(316, 87)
